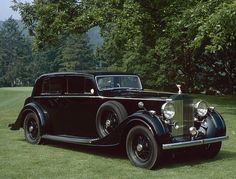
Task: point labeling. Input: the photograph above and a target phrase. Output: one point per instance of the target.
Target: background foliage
(21, 64)
(166, 42)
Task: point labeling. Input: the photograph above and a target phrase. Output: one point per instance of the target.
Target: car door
(79, 117)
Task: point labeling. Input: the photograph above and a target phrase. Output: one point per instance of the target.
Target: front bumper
(193, 143)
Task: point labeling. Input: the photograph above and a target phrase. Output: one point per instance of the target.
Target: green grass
(18, 159)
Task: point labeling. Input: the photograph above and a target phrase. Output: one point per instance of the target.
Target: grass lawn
(18, 159)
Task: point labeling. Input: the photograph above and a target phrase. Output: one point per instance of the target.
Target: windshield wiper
(122, 89)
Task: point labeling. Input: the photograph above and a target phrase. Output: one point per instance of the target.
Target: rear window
(55, 85)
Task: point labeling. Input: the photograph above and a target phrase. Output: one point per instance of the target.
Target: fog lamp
(193, 131)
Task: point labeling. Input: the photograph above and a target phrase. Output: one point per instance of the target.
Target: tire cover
(109, 106)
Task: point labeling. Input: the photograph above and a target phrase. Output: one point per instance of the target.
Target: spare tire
(110, 114)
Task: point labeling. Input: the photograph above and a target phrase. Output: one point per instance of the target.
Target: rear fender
(30, 107)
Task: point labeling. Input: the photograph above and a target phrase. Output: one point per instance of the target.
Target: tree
(15, 55)
(77, 54)
(156, 39)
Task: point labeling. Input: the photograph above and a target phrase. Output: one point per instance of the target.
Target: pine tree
(77, 54)
(15, 55)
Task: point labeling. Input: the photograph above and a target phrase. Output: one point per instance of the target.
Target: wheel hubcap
(31, 128)
(108, 123)
(139, 147)
(142, 148)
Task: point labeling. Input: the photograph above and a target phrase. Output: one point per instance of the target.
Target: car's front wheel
(142, 148)
(32, 128)
(211, 150)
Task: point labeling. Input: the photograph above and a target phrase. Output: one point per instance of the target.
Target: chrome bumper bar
(193, 143)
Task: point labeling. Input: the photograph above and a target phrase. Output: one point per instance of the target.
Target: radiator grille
(183, 114)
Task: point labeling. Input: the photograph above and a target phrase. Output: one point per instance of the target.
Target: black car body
(107, 109)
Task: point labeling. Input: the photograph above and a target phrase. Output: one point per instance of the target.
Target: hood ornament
(179, 87)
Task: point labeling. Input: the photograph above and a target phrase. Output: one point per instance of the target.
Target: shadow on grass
(169, 159)
(111, 152)
(183, 158)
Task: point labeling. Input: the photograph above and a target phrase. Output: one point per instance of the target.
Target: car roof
(85, 73)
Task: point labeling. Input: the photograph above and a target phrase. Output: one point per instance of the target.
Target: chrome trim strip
(102, 97)
(193, 143)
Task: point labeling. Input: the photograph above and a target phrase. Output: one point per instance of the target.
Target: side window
(45, 86)
(89, 86)
(75, 84)
(53, 86)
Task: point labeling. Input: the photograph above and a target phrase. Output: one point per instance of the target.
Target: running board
(70, 139)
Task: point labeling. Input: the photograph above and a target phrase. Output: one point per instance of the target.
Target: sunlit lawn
(18, 159)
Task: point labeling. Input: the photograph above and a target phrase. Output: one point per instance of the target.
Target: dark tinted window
(45, 86)
(89, 86)
(54, 85)
(75, 84)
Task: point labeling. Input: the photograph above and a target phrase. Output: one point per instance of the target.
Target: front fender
(30, 107)
(152, 122)
(215, 124)
(160, 131)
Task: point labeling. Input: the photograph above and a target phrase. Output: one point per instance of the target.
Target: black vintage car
(107, 109)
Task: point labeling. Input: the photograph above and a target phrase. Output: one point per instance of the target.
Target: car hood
(138, 94)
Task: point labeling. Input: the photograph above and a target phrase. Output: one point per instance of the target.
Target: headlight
(201, 108)
(168, 110)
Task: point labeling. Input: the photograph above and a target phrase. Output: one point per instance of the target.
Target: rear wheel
(142, 148)
(32, 128)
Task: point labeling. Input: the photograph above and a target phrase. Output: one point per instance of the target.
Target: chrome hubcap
(139, 147)
(142, 147)
(108, 123)
(31, 128)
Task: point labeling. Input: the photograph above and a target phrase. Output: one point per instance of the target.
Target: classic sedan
(109, 109)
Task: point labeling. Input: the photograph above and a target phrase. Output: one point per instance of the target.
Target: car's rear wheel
(109, 116)
(32, 128)
(142, 148)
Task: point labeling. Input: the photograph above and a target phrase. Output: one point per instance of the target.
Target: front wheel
(32, 128)
(211, 150)
(142, 148)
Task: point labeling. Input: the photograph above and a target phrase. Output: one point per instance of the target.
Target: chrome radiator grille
(183, 114)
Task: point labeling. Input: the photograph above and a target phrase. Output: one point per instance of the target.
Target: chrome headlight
(201, 108)
(168, 110)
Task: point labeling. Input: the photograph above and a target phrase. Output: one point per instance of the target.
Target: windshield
(110, 82)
